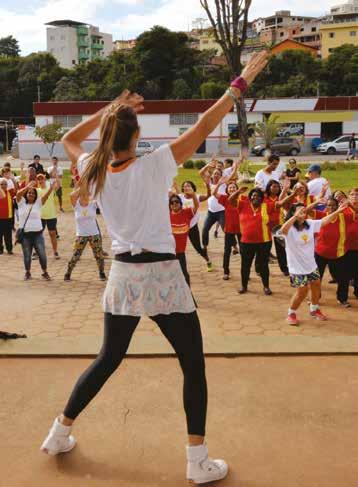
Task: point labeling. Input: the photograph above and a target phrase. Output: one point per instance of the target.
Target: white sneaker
(202, 469)
(58, 440)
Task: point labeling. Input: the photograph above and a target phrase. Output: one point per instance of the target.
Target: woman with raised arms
(145, 278)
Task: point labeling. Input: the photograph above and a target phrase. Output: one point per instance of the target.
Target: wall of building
(62, 44)
(341, 35)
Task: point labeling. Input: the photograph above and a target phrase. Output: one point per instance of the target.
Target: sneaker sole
(214, 479)
(53, 453)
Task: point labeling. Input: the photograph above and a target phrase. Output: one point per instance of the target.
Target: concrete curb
(88, 346)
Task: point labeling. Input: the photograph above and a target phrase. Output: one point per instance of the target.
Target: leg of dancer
(116, 185)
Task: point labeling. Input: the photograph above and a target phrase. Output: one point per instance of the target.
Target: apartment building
(341, 27)
(124, 44)
(281, 26)
(72, 42)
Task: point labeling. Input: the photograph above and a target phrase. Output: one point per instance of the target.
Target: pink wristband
(240, 83)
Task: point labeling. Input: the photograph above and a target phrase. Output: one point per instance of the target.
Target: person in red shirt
(256, 239)
(6, 216)
(351, 214)
(331, 249)
(180, 219)
(232, 224)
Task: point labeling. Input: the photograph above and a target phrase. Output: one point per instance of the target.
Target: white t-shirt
(300, 248)
(33, 223)
(85, 216)
(135, 204)
(227, 172)
(315, 186)
(59, 171)
(10, 184)
(262, 178)
(213, 204)
(189, 203)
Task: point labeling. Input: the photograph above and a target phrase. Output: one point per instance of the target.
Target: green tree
(340, 72)
(67, 89)
(268, 130)
(50, 134)
(9, 47)
(212, 89)
(181, 90)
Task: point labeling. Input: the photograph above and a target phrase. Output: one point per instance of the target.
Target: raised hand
(301, 212)
(256, 64)
(343, 206)
(130, 99)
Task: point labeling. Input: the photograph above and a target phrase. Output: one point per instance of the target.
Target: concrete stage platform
(278, 421)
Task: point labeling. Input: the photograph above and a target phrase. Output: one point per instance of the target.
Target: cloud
(131, 17)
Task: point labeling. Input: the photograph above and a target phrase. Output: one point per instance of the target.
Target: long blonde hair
(118, 125)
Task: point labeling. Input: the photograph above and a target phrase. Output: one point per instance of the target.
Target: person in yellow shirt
(49, 213)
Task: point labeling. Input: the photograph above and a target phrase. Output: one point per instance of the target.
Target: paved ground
(277, 421)
(61, 309)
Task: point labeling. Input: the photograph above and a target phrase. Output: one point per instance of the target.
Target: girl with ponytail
(145, 277)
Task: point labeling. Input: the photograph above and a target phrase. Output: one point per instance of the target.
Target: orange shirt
(254, 223)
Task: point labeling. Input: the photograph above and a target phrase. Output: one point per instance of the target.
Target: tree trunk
(242, 124)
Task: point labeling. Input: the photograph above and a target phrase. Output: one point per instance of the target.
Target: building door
(331, 130)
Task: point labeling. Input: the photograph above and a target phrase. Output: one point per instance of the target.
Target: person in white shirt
(145, 278)
(273, 170)
(87, 231)
(29, 204)
(299, 234)
(56, 173)
(317, 184)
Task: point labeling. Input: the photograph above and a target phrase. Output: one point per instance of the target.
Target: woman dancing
(87, 231)
(180, 219)
(187, 190)
(299, 234)
(145, 278)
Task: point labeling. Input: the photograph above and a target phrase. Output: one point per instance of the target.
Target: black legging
(281, 254)
(184, 334)
(182, 261)
(339, 269)
(210, 220)
(194, 237)
(248, 252)
(231, 240)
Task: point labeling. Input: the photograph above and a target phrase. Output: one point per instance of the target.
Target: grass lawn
(344, 177)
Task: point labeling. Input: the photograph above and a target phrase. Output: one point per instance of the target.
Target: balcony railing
(82, 30)
(83, 42)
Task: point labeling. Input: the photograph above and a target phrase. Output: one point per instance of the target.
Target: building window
(281, 34)
(330, 49)
(73, 61)
(314, 29)
(294, 32)
(302, 29)
(332, 34)
(67, 121)
(183, 118)
(52, 38)
(353, 33)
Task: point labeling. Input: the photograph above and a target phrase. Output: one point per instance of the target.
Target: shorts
(59, 192)
(302, 280)
(51, 224)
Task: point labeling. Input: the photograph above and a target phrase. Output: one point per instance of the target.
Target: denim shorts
(302, 280)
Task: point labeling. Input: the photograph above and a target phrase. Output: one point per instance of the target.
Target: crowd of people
(310, 227)
(28, 201)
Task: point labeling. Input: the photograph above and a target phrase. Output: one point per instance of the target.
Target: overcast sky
(123, 18)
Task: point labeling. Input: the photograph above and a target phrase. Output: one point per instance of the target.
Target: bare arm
(289, 224)
(196, 203)
(22, 191)
(44, 198)
(233, 197)
(327, 219)
(204, 197)
(74, 196)
(73, 138)
(2, 194)
(189, 141)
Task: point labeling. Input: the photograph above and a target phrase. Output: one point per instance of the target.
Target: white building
(72, 42)
(162, 121)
